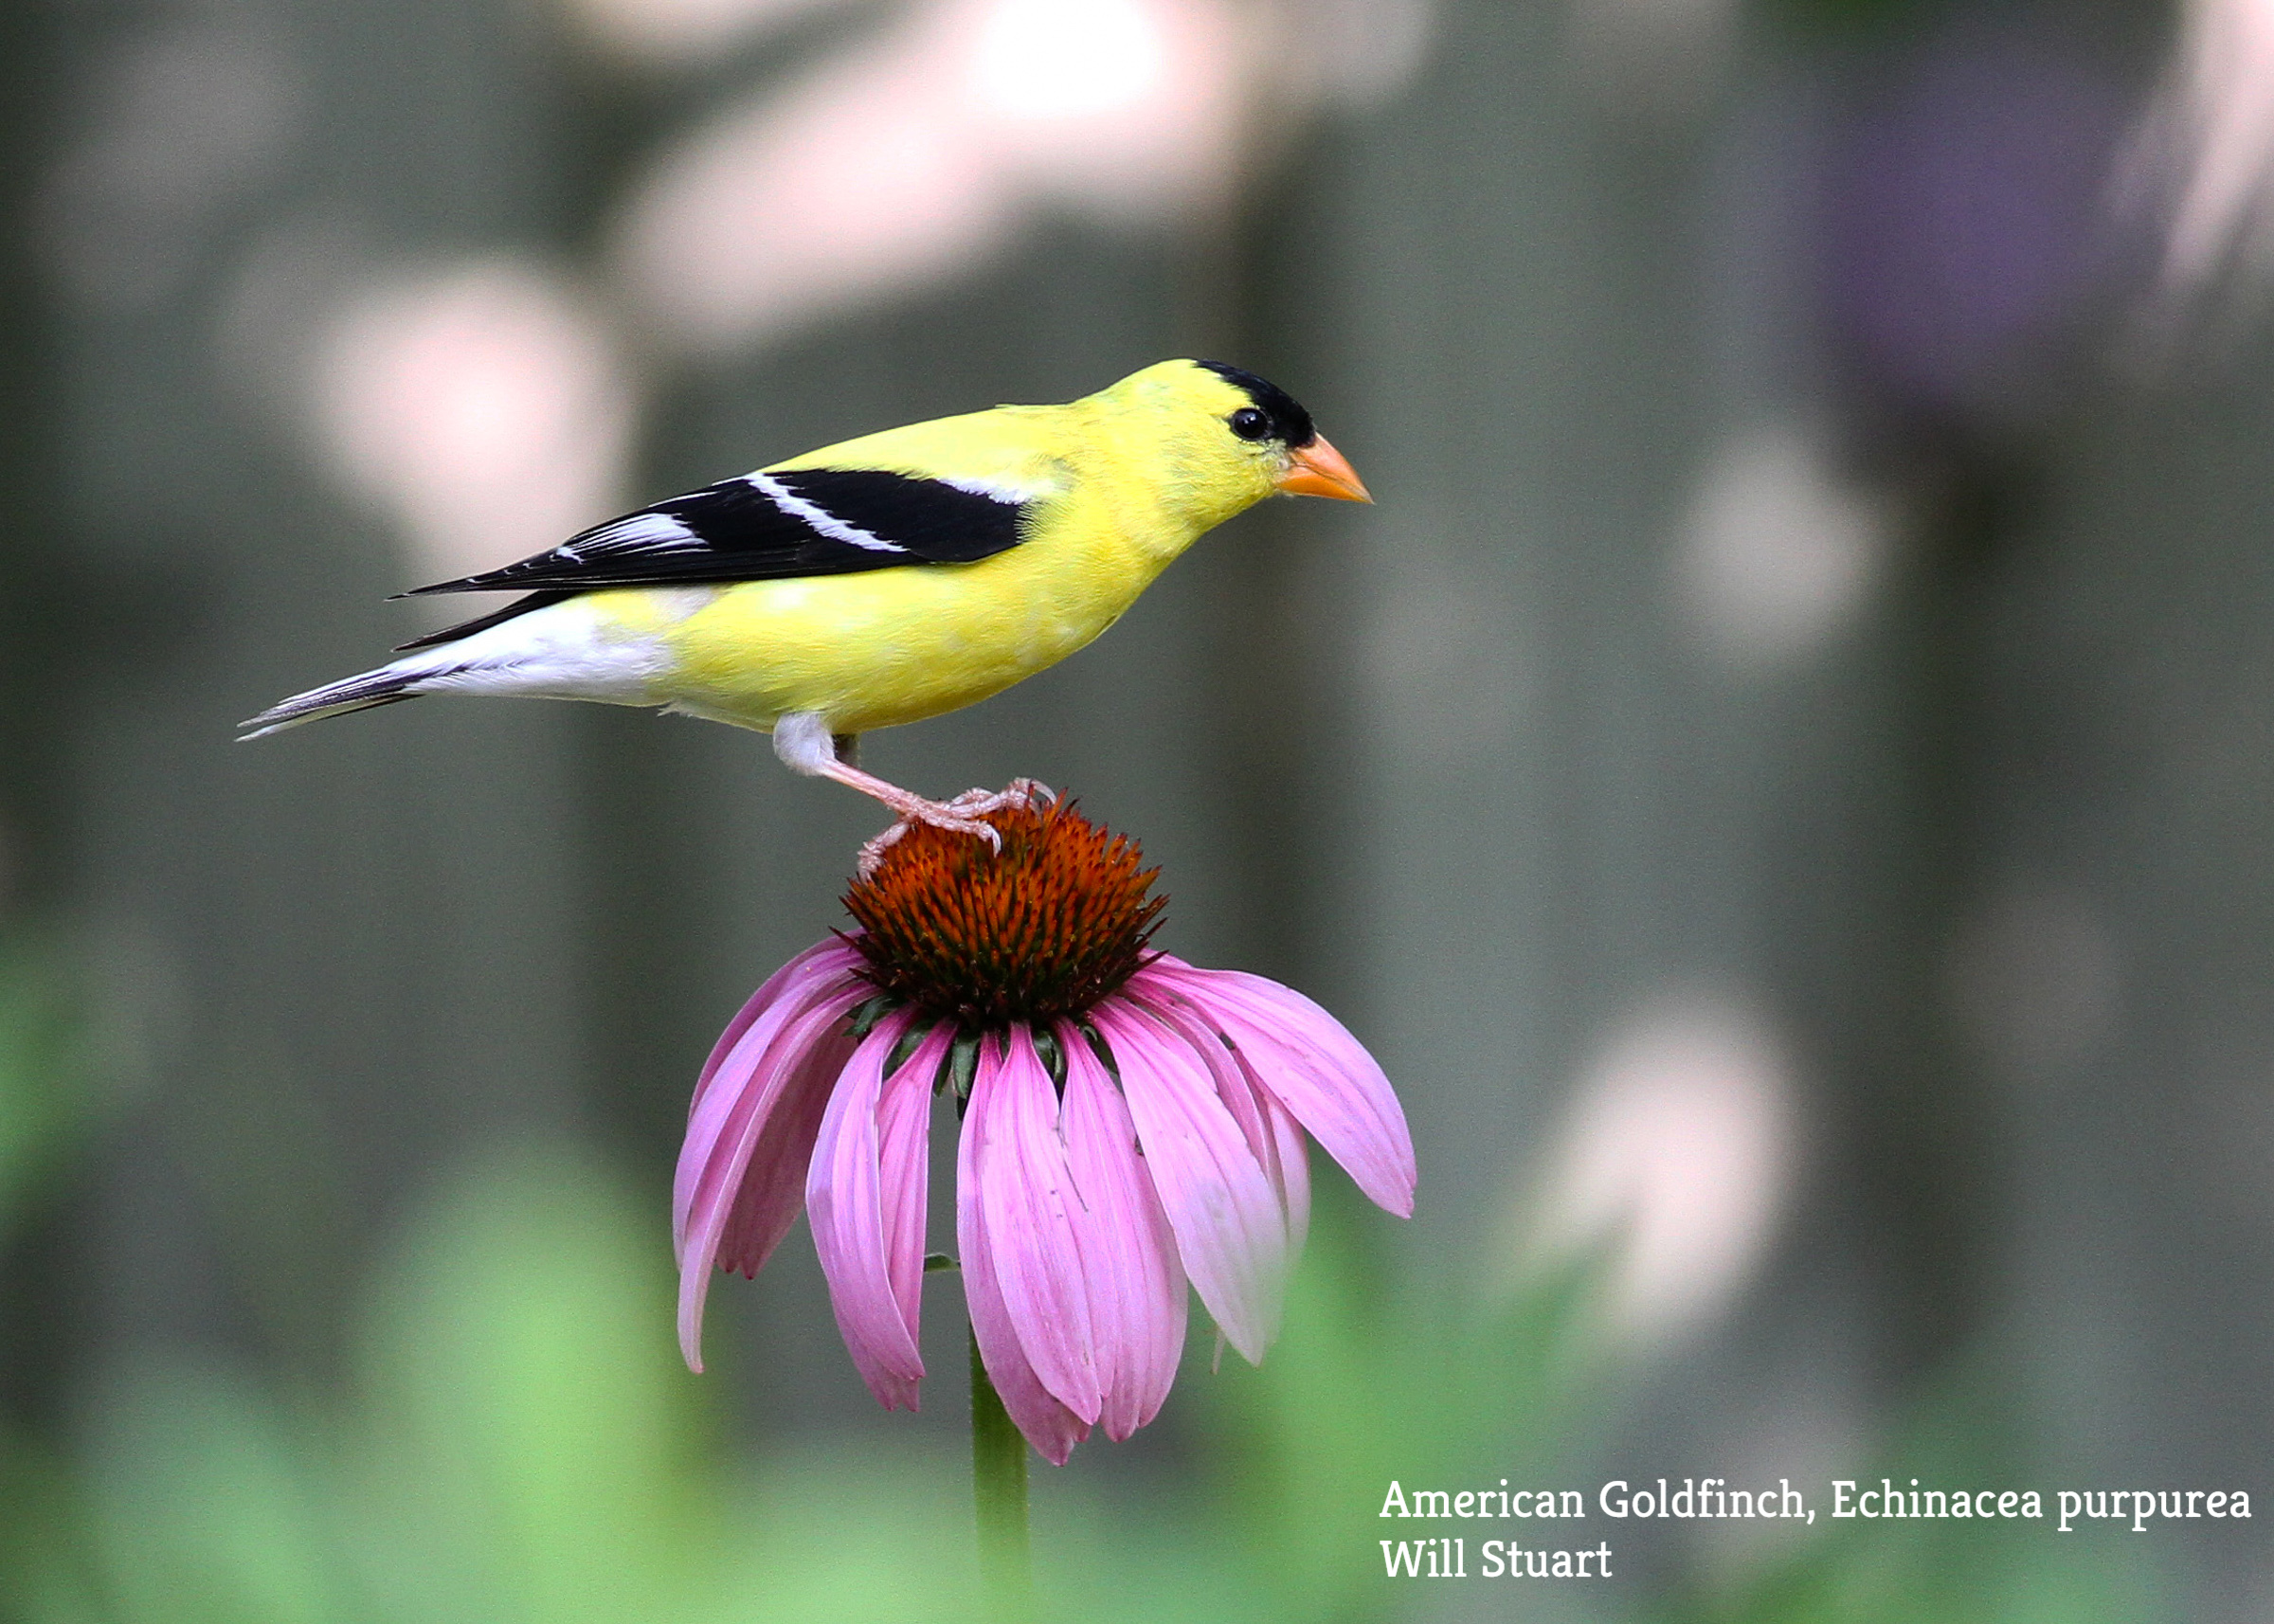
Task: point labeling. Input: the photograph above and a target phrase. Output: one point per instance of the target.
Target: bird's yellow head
(1220, 440)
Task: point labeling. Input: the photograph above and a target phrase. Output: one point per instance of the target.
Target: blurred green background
(1781, 778)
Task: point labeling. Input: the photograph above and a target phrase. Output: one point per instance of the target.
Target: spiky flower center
(1041, 930)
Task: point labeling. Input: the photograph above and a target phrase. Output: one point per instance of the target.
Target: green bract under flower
(1040, 931)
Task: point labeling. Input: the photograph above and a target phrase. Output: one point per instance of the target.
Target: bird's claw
(964, 815)
(872, 855)
(1022, 793)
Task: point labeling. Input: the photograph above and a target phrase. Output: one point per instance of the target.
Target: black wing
(770, 527)
(762, 527)
(514, 610)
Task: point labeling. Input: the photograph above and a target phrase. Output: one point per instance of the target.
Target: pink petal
(1026, 1192)
(1136, 1284)
(1294, 1170)
(864, 1196)
(904, 1168)
(754, 1031)
(818, 965)
(1236, 1085)
(741, 1175)
(1273, 1137)
(1050, 1426)
(1231, 1231)
(1309, 1061)
(773, 1180)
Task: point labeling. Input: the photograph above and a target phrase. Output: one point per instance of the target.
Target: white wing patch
(820, 519)
(649, 532)
(1009, 496)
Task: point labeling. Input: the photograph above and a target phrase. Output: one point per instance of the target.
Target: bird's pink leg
(971, 804)
(806, 745)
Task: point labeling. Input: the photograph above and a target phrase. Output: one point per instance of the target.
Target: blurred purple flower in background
(1129, 1122)
(1967, 227)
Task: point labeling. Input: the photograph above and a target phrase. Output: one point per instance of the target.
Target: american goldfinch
(879, 580)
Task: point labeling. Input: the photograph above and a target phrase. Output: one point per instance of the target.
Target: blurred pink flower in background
(1130, 1123)
(905, 160)
(2205, 155)
(1675, 1160)
(479, 405)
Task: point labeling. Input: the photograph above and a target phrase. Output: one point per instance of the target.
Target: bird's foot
(940, 815)
(965, 815)
(1022, 793)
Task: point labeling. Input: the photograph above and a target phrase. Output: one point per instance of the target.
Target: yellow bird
(879, 580)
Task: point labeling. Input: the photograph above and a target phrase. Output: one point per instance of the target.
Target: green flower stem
(999, 1495)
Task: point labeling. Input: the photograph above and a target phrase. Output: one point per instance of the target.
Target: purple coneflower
(1130, 1123)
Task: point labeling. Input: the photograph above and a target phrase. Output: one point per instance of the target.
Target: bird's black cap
(1291, 425)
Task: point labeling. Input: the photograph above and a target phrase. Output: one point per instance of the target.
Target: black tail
(372, 689)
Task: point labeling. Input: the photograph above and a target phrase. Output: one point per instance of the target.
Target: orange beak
(1319, 470)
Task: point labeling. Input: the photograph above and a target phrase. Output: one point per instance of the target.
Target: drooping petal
(1231, 1231)
(904, 1169)
(1273, 1136)
(821, 966)
(1026, 1190)
(791, 993)
(773, 1180)
(1049, 1425)
(1136, 1284)
(741, 1176)
(1309, 1061)
(1235, 1086)
(868, 1223)
(1294, 1170)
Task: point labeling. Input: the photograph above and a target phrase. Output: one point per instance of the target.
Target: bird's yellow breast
(881, 647)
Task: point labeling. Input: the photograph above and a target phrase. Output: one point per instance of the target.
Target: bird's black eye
(1248, 423)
